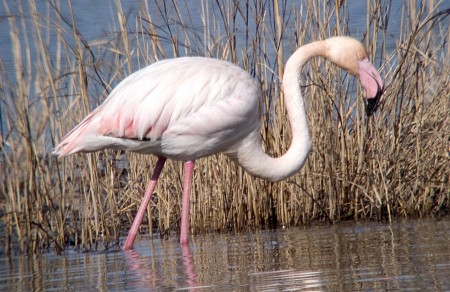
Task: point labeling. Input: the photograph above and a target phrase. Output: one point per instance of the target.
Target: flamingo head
(351, 55)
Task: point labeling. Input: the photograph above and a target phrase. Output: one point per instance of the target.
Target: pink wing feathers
(182, 108)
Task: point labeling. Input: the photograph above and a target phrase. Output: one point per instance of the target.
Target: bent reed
(394, 164)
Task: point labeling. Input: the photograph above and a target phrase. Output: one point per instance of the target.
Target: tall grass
(394, 164)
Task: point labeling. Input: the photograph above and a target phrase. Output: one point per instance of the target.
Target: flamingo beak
(372, 83)
(372, 103)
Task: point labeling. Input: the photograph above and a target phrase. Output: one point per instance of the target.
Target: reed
(394, 164)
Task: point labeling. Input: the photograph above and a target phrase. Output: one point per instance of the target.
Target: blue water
(97, 23)
(97, 20)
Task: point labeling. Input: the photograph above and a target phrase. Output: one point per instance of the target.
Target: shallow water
(406, 256)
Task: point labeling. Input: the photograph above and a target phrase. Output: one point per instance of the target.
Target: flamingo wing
(182, 108)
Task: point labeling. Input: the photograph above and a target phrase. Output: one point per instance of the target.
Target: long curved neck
(252, 157)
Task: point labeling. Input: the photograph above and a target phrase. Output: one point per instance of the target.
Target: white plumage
(188, 108)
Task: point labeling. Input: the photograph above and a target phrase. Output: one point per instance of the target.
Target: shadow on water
(348, 257)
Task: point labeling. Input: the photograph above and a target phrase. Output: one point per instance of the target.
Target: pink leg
(187, 183)
(143, 207)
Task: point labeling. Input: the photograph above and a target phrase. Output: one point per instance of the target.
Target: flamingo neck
(254, 159)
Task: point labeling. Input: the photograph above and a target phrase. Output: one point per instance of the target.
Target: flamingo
(192, 107)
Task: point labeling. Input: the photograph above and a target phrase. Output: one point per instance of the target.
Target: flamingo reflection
(146, 273)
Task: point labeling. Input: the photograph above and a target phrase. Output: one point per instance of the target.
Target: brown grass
(394, 164)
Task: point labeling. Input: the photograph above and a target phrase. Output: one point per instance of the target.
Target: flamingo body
(188, 108)
(182, 109)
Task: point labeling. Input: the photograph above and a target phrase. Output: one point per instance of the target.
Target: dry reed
(394, 164)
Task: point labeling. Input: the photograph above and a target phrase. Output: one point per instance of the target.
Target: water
(97, 22)
(406, 256)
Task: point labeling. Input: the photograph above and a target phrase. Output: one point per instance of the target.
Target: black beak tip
(372, 103)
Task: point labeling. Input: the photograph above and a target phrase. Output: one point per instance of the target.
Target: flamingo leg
(187, 183)
(143, 207)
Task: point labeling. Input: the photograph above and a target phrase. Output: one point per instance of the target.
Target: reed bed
(394, 164)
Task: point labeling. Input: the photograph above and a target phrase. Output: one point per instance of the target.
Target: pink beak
(372, 83)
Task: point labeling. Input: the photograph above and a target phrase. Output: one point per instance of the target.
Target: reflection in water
(354, 257)
(188, 264)
(287, 280)
(147, 276)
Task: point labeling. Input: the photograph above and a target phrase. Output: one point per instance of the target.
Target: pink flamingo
(189, 108)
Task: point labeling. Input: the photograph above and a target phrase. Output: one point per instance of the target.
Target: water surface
(406, 256)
